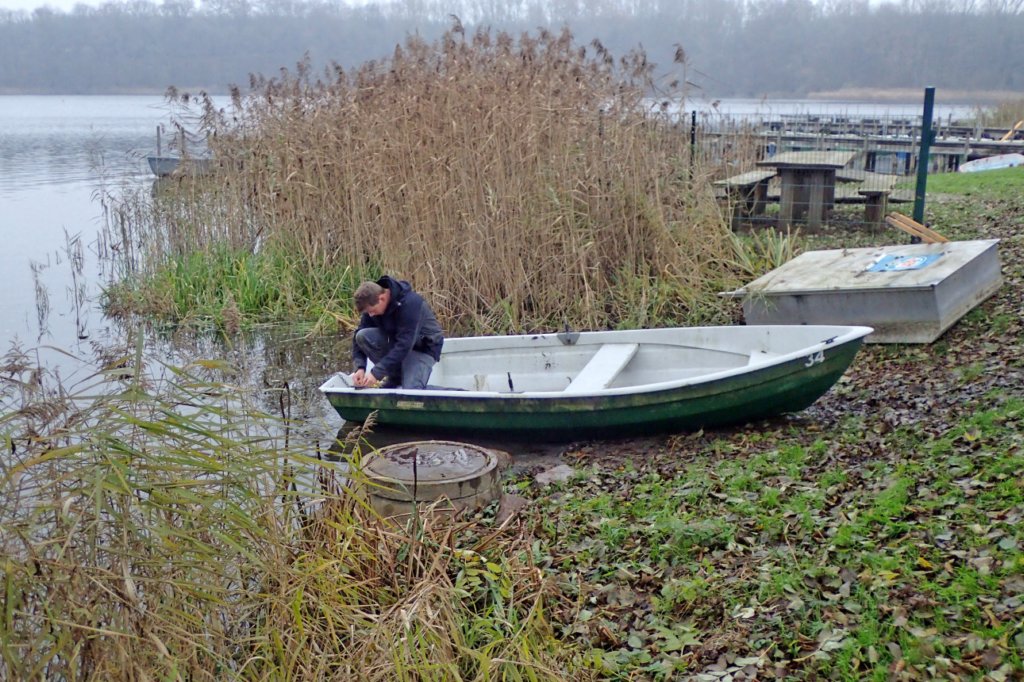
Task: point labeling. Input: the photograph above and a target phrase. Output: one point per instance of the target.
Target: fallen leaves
(876, 534)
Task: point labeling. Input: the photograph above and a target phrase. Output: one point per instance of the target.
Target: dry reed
(155, 524)
(519, 183)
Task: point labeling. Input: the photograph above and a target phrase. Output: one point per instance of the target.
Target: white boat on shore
(992, 163)
(612, 383)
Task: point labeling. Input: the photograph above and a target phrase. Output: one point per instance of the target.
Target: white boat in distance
(165, 166)
(992, 163)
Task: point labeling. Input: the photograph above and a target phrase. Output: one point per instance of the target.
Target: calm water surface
(58, 156)
(766, 108)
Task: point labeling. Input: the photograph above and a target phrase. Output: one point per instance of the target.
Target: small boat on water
(575, 385)
(992, 163)
(180, 162)
(164, 166)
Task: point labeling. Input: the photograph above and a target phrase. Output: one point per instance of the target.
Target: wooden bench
(602, 368)
(863, 176)
(747, 193)
(875, 190)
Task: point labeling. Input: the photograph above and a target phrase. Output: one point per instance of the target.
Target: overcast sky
(67, 5)
(62, 5)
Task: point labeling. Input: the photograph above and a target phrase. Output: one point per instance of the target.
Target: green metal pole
(693, 141)
(927, 136)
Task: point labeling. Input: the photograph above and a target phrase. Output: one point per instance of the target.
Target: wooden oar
(914, 228)
(1013, 131)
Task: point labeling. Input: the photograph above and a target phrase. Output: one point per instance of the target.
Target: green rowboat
(613, 383)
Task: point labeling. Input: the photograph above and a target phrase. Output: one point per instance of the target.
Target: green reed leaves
(761, 251)
(231, 287)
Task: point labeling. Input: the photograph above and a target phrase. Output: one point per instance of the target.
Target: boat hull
(775, 388)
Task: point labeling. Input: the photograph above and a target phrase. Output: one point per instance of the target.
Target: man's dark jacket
(409, 323)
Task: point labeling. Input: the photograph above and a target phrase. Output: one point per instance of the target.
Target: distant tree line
(721, 47)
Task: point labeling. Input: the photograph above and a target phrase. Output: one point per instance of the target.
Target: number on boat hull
(815, 359)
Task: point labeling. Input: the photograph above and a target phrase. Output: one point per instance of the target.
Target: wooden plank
(819, 190)
(848, 194)
(809, 160)
(602, 368)
(852, 175)
(856, 175)
(788, 204)
(877, 183)
(1009, 136)
(914, 228)
(908, 225)
(745, 179)
(927, 234)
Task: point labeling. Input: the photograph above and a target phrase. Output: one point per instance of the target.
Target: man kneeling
(398, 332)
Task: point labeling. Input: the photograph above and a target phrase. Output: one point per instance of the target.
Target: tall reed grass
(1006, 113)
(156, 524)
(518, 183)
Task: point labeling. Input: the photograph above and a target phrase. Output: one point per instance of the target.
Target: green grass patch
(1003, 182)
(233, 289)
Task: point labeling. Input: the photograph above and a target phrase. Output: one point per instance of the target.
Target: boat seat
(602, 368)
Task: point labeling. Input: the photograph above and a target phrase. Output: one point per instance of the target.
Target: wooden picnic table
(808, 183)
(747, 193)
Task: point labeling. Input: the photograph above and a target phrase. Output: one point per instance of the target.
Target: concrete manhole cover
(426, 471)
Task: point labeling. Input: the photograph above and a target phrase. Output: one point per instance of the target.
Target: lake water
(766, 108)
(58, 156)
(56, 153)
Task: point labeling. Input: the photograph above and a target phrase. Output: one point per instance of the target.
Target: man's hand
(364, 379)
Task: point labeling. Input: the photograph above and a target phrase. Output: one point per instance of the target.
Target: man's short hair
(367, 294)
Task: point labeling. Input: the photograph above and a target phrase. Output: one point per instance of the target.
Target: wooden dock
(888, 145)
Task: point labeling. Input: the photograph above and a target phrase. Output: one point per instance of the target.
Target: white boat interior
(618, 361)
